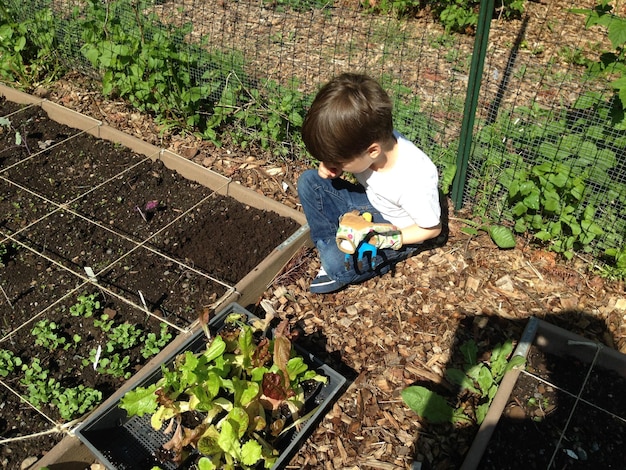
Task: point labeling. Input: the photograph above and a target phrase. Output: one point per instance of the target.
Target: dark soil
(153, 239)
(558, 417)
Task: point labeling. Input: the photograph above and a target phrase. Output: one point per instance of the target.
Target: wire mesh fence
(546, 155)
(548, 152)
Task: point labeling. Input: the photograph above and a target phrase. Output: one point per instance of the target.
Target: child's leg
(323, 202)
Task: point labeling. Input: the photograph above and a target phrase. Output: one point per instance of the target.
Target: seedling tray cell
(122, 443)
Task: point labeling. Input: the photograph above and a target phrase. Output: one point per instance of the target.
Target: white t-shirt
(407, 193)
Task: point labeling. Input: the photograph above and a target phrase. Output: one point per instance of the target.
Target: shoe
(322, 284)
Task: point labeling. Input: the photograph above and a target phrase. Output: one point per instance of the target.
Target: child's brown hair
(349, 113)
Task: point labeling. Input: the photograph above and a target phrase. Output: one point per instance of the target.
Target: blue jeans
(323, 202)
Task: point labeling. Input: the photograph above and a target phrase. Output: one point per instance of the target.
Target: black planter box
(123, 443)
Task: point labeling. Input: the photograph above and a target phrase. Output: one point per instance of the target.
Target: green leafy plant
(86, 306)
(540, 402)
(123, 336)
(616, 267)
(8, 362)
(40, 388)
(153, 343)
(300, 5)
(143, 63)
(554, 174)
(548, 200)
(27, 46)
(76, 401)
(104, 323)
(111, 359)
(502, 236)
(478, 378)
(238, 388)
(45, 390)
(46, 334)
(611, 63)
(462, 16)
(113, 364)
(398, 7)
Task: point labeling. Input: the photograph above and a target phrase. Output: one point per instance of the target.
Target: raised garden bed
(566, 409)
(123, 442)
(88, 210)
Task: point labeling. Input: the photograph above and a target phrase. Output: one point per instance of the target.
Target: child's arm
(416, 234)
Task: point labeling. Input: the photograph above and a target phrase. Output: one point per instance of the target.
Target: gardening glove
(355, 229)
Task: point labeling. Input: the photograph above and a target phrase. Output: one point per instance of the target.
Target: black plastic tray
(123, 443)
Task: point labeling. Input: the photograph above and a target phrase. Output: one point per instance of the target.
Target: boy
(349, 128)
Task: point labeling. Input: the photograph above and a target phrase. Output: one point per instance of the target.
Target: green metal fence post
(471, 100)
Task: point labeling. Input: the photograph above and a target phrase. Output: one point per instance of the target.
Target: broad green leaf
(595, 132)
(571, 143)
(527, 187)
(140, 401)
(469, 231)
(239, 420)
(296, 366)
(532, 201)
(427, 404)
(577, 191)
(484, 379)
(552, 202)
(514, 188)
(215, 350)
(187, 369)
(251, 452)
(559, 179)
(573, 224)
(205, 464)
(245, 391)
(591, 227)
(469, 349)
(461, 379)
(502, 351)
(246, 345)
(617, 31)
(481, 412)
(520, 226)
(502, 236)
(228, 440)
(536, 222)
(552, 151)
(555, 228)
(160, 416)
(620, 86)
(515, 362)
(519, 209)
(499, 358)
